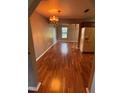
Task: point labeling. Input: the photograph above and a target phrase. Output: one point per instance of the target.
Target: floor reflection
(55, 85)
(64, 48)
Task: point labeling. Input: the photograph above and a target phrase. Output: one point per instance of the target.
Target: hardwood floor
(63, 69)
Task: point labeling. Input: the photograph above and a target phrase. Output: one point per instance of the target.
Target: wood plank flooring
(63, 69)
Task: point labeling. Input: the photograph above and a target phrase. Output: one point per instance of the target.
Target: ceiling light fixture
(85, 11)
(54, 19)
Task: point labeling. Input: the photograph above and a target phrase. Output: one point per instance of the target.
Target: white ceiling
(70, 9)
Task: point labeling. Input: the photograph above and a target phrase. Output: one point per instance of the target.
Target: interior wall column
(32, 74)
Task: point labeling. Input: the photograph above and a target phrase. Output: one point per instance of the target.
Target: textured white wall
(43, 34)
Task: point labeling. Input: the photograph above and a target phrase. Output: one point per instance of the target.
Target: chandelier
(54, 19)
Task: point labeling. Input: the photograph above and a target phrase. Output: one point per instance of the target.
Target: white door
(89, 40)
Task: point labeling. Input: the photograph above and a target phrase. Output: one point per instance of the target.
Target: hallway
(63, 69)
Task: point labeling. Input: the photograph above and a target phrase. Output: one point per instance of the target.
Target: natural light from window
(64, 32)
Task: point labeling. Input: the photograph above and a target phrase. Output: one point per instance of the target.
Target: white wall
(32, 77)
(43, 34)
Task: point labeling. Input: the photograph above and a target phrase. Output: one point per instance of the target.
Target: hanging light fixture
(54, 19)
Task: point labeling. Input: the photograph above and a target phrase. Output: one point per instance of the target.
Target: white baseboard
(67, 41)
(35, 88)
(45, 51)
(71, 41)
(87, 90)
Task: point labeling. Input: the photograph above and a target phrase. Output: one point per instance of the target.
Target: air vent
(85, 11)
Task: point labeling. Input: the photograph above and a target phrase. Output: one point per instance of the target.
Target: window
(64, 32)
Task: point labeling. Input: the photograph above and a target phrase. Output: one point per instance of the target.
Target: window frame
(62, 32)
